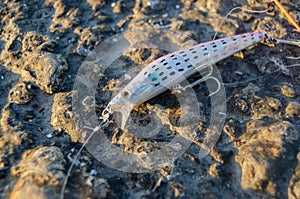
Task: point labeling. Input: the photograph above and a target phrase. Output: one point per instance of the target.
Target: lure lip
(124, 109)
(128, 97)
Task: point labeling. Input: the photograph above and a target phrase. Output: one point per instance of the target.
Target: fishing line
(242, 9)
(269, 9)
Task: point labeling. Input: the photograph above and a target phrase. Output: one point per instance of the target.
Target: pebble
(288, 91)
(214, 170)
(230, 131)
(165, 15)
(239, 72)
(274, 103)
(22, 93)
(292, 109)
(93, 172)
(242, 105)
(117, 7)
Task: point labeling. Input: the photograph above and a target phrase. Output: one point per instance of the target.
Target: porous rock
(260, 156)
(62, 116)
(294, 185)
(40, 174)
(292, 109)
(288, 90)
(47, 69)
(22, 93)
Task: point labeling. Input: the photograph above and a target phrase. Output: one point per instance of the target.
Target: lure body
(175, 67)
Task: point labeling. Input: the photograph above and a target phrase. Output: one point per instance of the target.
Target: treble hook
(106, 113)
(204, 78)
(219, 85)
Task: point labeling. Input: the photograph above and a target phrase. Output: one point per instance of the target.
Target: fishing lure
(173, 68)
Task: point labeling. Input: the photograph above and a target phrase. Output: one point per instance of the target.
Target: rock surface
(266, 146)
(40, 173)
(294, 186)
(42, 47)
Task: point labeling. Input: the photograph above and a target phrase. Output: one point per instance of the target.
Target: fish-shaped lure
(175, 67)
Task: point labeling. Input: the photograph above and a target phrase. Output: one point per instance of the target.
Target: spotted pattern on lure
(175, 67)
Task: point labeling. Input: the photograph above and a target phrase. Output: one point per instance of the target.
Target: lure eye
(126, 94)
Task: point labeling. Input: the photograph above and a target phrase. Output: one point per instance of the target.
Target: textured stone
(22, 93)
(288, 90)
(265, 146)
(294, 185)
(292, 109)
(62, 116)
(40, 172)
(47, 70)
